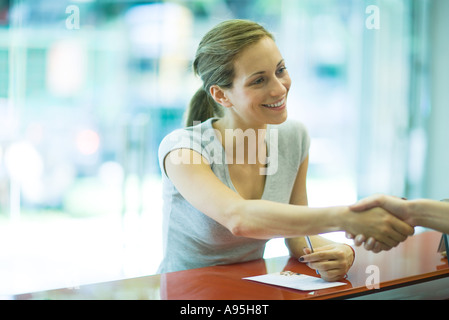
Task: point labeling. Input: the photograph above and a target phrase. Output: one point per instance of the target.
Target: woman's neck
(244, 142)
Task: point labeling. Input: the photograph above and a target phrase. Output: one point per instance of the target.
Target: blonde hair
(214, 63)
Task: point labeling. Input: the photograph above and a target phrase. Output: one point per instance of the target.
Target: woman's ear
(220, 96)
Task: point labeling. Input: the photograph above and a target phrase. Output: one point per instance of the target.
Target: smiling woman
(261, 83)
(218, 211)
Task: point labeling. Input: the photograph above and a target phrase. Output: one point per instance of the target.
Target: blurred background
(89, 88)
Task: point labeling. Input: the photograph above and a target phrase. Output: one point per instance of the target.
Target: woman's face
(260, 87)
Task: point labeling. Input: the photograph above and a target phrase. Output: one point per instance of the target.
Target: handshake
(393, 220)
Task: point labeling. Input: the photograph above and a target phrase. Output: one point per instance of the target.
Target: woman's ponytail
(201, 108)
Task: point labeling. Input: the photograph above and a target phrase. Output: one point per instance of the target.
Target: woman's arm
(261, 219)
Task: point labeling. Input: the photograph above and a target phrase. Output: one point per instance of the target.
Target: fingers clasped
(396, 227)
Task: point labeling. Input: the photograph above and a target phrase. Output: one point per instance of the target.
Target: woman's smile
(280, 105)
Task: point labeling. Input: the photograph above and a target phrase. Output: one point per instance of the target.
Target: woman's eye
(282, 69)
(258, 81)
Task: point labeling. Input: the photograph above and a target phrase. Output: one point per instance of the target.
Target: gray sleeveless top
(193, 240)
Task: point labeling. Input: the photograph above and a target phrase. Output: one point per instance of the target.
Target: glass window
(88, 89)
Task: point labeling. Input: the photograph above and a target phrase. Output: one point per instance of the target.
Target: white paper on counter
(293, 280)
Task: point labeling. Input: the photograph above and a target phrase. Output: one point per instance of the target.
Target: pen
(309, 243)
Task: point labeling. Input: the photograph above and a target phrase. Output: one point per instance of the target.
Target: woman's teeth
(276, 105)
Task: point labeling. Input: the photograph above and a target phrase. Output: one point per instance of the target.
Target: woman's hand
(369, 244)
(380, 225)
(331, 261)
(393, 205)
(396, 206)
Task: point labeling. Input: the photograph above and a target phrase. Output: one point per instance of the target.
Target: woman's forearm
(263, 219)
(296, 245)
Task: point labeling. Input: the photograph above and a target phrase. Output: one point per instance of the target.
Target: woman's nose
(279, 87)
